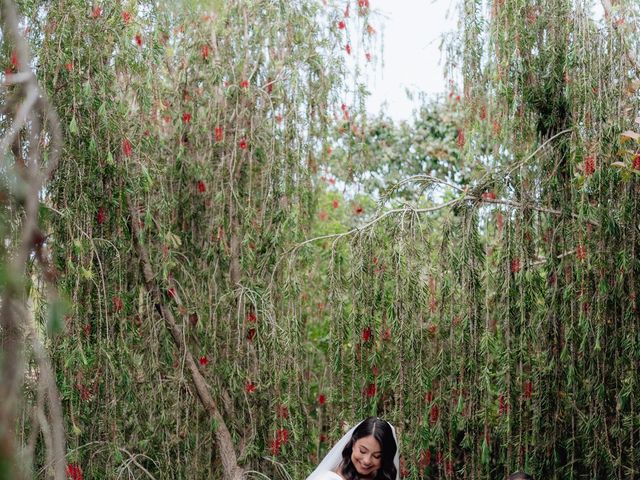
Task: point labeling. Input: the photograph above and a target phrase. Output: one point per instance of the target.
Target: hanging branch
(225, 444)
(32, 110)
(608, 11)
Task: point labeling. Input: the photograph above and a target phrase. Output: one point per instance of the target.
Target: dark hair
(382, 432)
(520, 476)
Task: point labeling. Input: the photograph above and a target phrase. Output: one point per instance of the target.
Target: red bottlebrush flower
(439, 457)
(375, 370)
(323, 215)
(274, 447)
(367, 55)
(589, 165)
(343, 107)
(85, 393)
(86, 330)
(204, 361)
(332, 181)
(460, 138)
(499, 221)
(503, 406)
(101, 216)
(251, 334)
(322, 399)
(346, 12)
(404, 471)
(636, 162)
(428, 397)
(515, 265)
(342, 25)
(483, 112)
(358, 210)
(370, 391)
(282, 436)
(74, 472)
(527, 389)
(138, 38)
(117, 303)
(488, 196)
(335, 204)
(14, 61)
(244, 84)
(581, 252)
(218, 134)
(126, 17)
(204, 51)
(448, 468)
(282, 411)
(496, 128)
(425, 459)
(242, 144)
(69, 67)
(202, 187)
(127, 149)
(363, 3)
(348, 49)
(193, 319)
(278, 118)
(434, 414)
(96, 12)
(323, 438)
(186, 117)
(432, 328)
(171, 292)
(329, 151)
(387, 334)
(371, 30)
(249, 387)
(252, 317)
(366, 334)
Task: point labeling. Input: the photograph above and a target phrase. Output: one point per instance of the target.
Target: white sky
(411, 33)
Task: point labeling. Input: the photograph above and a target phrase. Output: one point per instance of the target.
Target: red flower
(483, 112)
(117, 303)
(488, 196)
(251, 317)
(186, 117)
(358, 210)
(425, 459)
(244, 84)
(204, 51)
(193, 319)
(527, 389)
(251, 334)
(204, 361)
(171, 292)
(434, 414)
(460, 138)
(323, 215)
(69, 67)
(278, 118)
(363, 3)
(202, 187)
(370, 30)
(126, 17)
(242, 144)
(496, 127)
(439, 457)
(86, 330)
(375, 370)
(274, 447)
(74, 472)
(283, 411)
(370, 391)
(499, 221)
(335, 204)
(589, 165)
(348, 49)
(96, 12)
(448, 468)
(282, 436)
(101, 215)
(367, 55)
(139, 39)
(636, 162)
(126, 148)
(14, 60)
(428, 397)
(366, 334)
(322, 399)
(332, 181)
(342, 25)
(515, 265)
(387, 334)
(218, 134)
(323, 438)
(581, 252)
(346, 12)
(249, 387)
(503, 406)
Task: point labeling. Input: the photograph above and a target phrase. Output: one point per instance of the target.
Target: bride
(367, 451)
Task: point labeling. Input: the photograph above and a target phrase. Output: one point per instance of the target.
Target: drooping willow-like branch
(36, 118)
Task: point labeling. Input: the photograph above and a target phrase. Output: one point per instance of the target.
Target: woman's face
(367, 456)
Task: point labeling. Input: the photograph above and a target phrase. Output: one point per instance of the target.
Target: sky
(411, 31)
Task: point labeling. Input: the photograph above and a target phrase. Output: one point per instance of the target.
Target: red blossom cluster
(74, 472)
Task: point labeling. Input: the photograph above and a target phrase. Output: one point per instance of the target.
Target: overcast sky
(411, 32)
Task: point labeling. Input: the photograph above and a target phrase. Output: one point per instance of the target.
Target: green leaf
(73, 126)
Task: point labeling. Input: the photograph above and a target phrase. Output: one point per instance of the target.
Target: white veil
(333, 459)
